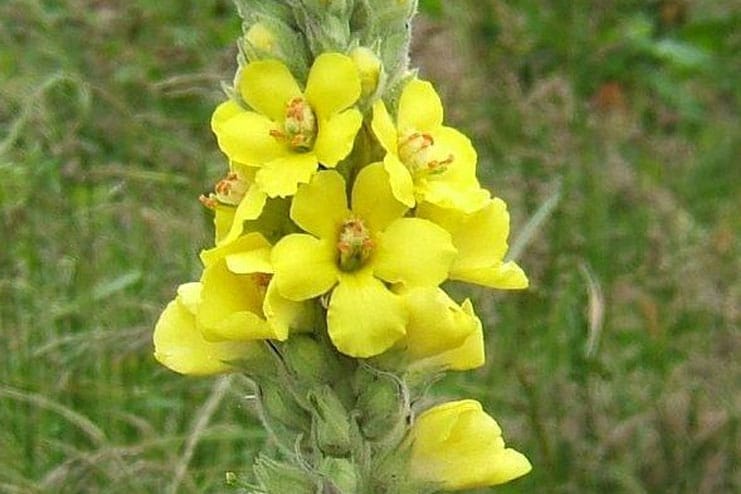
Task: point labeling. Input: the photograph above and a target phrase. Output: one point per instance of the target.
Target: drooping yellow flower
(425, 160)
(481, 240)
(290, 132)
(180, 346)
(440, 333)
(459, 446)
(238, 299)
(355, 251)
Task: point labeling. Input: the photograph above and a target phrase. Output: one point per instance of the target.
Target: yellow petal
(267, 86)
(320, 206)
(436, 323)
(481, 240)
(383, 127)
(251, 241)
(179, 345)
(224, 112)
(457, 187)
(333, 84)
(461, 447)
(415, 252)
(244, 136)
(336, 136)
(372, 199)
(223, 222)
(400, 179)
(468, 355)
(280, 177)
(231, 306)
(420, 108)
(285, 315)
(249, 262)
(364, 318)
(189, 295)
(305, 266)
(453, 196)
(504, 276)
(249, 208)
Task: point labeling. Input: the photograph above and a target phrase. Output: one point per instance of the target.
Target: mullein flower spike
(345, 207)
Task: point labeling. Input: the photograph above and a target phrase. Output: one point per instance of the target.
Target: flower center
(416, 151)
(355, 244)
(262, 280)
(228, 191)
(299, 128)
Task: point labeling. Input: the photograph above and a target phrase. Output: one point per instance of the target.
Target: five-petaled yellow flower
(355, 251)
(425, 160)
(290, 132)
(459, 446)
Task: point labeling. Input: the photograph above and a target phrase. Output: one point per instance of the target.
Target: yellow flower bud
(370, 69)
(459, 446)
(260, 37)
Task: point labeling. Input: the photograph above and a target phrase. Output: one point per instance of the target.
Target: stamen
(299, 128)
(415, 151)
(228, 191)
(354, 244)
(208, 201)
(262, 280)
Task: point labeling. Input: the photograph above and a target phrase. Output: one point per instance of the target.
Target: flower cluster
(343, 211)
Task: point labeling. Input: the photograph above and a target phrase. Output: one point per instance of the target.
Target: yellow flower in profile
(180, 346)
(425, 160)
(458, 446)
(290, 132)
(238, 300)
(355, 251)
(481, 240)
(236, 199)
(440, 333)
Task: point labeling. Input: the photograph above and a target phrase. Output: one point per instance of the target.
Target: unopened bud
(370, 69)
(260, 37)
(330, 423)
(381, 405)
(309, 360)
(268, 37)
(280, 478)
(277, 406)
(335, 7)
(341, 473)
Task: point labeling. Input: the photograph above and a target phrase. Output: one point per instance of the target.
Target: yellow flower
(358, 250)
(180, 346)
(291, 131)
(481, 240)
(440, 333)
(236, 199)
(427, 161)
(238, 300)
(459, 446)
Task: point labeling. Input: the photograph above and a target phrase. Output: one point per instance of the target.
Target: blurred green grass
(617, 371)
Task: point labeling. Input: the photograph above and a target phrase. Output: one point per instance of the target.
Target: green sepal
(331, 424)
(281, 478)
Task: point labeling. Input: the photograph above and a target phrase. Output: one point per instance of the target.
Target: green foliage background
(611, 128)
